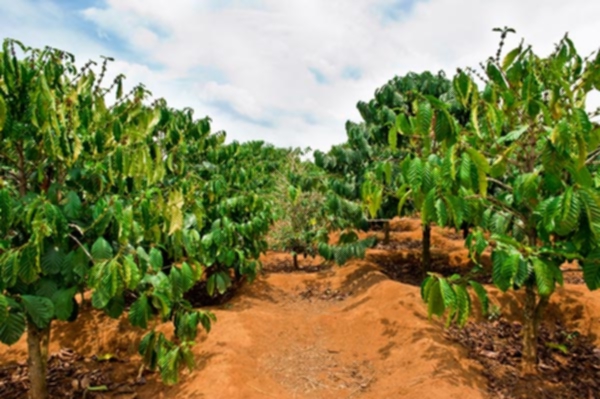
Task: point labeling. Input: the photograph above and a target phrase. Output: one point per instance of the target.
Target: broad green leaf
(448, 294)
(156, 259)
(463, 304)
(39, 309)
(510, 57)
(478, 159)
(101, 250)
(424, 118)
(591, 270)
(140, 312)
(544, 276)
(513, 135)
(12, 328)
(435, 301)
(64, 303)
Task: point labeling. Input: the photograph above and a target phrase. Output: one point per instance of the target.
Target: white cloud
(264, 51)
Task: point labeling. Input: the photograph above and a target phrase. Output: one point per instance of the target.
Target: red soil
(341, 332)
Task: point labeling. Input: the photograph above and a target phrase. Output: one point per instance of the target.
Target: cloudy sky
(289, 72)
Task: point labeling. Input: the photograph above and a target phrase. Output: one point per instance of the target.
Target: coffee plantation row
(121, 197)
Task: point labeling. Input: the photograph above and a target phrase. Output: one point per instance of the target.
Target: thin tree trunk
(529, 333)
(533, 316)
(37, 346)
(465, 230)
(426, 256)
(295, 257)
(386, 230)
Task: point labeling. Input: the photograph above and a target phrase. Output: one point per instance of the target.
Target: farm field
(445, 245)
(332, 332)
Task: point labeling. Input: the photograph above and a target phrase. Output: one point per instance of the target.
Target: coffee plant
(122, 200)
(532, 145)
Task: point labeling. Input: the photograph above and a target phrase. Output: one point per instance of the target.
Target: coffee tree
(532, 143)
(365, 167)
(239, 216)
(86, 203)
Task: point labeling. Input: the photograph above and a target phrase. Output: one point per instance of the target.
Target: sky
(288, 72)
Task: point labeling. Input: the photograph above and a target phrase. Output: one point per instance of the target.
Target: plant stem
(37, 346)
(426, 257)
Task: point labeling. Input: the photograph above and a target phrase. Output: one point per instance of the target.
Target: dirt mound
(70, 376)
(569, 363)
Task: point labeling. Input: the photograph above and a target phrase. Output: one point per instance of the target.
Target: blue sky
(288, 72)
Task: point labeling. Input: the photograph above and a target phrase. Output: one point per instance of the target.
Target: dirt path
(343, 333)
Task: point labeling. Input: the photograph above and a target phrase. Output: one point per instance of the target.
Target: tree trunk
(426, 256)
(386, 231)
(532, 318)
(37, 347)
(529, 333)
(295, 258)
(465, 230)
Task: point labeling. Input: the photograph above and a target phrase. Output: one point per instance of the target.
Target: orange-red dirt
(341, 332)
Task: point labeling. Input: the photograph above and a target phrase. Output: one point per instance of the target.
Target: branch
(593, 155)
(502, 206)
(22, 176)
(82, 247)
(498, 182)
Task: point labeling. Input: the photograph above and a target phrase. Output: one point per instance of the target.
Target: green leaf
(591, 269)
(462, 86)
(463, 304)
(29, 268)
(415, 174)
(448, 294)
(64, 303)
(39, 309)
(402, 125)
(444, 127)
(393, 138)
(73, 205)
(45, 287)
(53, 260)
(100, 299)
(169, 366)
(210, 285)
(115, 307)
(495, 75)
(435, 301)
(3, 113)
(510, 57)
(426, 286)
(478, 159)
(12, 328)
(140, 312)
(3, 309)
(544, 276)
(513, 135)
(130, 273)
(482, 296)
(501, 270)
(424, 118)
(223, 282)
(101, 250)
(156, 259)
(162, 303)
